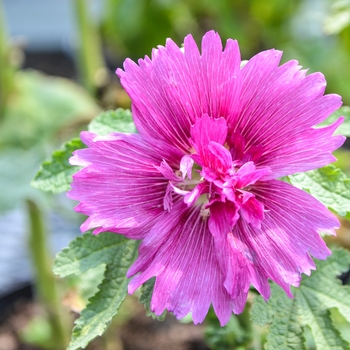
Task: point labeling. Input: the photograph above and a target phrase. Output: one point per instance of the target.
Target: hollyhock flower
(199, 182)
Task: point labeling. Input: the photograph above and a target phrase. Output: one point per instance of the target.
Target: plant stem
(89, 59)
(7, 70)
(45, 280)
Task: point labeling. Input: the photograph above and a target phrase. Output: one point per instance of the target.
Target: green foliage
(55, 175)
(329, 185)
(338, 18)
(111, 121)
(145, 298)
(344, 128)
(234, 335)
(38, 332)
(310, 307)
(41, 109)
(17, 170)
(89, 251)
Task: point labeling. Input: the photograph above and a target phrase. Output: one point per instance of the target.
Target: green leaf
(146, 296)
(84, 253)
(329, 185)
(55, 175)
(111, 121)
(310, 307)
(344, 128)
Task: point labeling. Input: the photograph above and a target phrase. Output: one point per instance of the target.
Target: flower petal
(179, 251)
(280, 249)
(289, 232)
(235, 256)
(174, 88)
(204, 131)
(280, 105)
(120, 188)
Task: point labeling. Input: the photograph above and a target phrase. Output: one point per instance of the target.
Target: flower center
(220, 173)
(206, 185)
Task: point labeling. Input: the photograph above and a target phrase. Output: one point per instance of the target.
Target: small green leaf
(329, 185)
(310, 307)
(145, 298)
(55, 175)
(344, 128)
(111, 121)
(84, 253)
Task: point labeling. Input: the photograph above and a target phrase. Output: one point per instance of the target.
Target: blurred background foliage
(41, 108)
(315, 32)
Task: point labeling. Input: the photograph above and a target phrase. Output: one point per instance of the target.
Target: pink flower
(199, 183)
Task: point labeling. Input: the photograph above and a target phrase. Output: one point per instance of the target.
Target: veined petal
(180, 252)
(248, 174)
(280, 250)
(207, 131)
(235, 256)
(120, 188)
(280, 107)
(289, 232)
(311, 149)
(174, 88)
(252, 212)
(221, 157)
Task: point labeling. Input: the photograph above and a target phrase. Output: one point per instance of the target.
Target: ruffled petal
(207, 137)
(120, 188)
(280, 250)
(180, 252)
(235, 257)
(177, 86)
(289, 233)
(280, 106)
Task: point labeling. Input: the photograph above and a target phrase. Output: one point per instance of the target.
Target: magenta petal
(308, 150)
(174, 88)
(236, 259)
(120, 188)
(289, 232)
(186, 165)
(252, 212)
(221, 158)
(201, 188)
(280, 107)
(204, 131)
(180, 252)
(167, 171)
(248, 174)
(223, 217)
(280, 250)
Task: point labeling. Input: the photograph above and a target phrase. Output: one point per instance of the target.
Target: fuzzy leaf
(111, 121)
(55, 175)
(88, 251)
(310, 307)
(329, 185)
(344, 128)
(145, 298)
